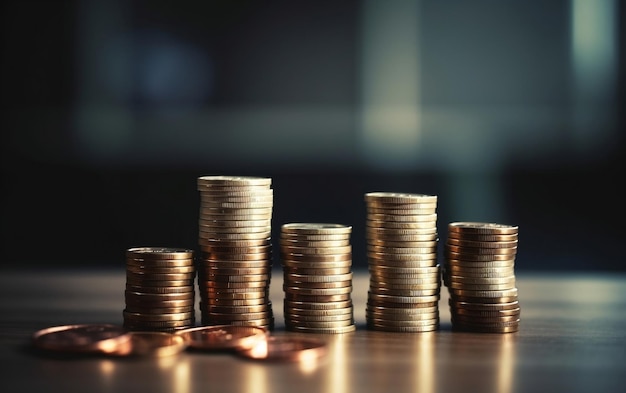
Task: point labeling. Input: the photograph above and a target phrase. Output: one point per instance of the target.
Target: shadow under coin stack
(479, 274)
(159, 291)
(317, 267)
(405, 278)
(235, 264)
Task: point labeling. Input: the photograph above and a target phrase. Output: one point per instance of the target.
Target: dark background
(111, 110)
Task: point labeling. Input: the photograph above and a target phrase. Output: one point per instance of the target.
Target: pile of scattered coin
(235, 262)
(251, 342)
(405, 278)
(479, 273)
(159, 291)
(317, 267)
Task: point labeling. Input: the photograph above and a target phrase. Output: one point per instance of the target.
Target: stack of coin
(317, 267)
(405, 278)
(235, 263)
(479, 274)
(159, 291)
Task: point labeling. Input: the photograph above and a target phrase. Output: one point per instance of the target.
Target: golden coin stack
(405, 278)
(479, 273)
(159, 291)
(317, 267)
(235, 263)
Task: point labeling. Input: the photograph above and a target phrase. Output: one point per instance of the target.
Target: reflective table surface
(572, 338)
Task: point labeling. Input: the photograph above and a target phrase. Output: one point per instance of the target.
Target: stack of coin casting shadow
(317, 267)
(235, 262)
(159, 291)
(405, 278)
(479, 273)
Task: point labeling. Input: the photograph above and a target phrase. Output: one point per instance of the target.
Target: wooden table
(572, 339)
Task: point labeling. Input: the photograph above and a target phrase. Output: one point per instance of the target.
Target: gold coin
(429, 226)
(159, 263)
(399, 197)
(238, 309)
(210, 270)
(411, 218)
(250, 215)
(330, 330)
(402, 243)
(224, 302)
(372, 302)
(386, 282)
(397, 317)
(318, 306)
(404, 292)
(401, 206)
(319, 324)
(148, 276)
(318, 278)
(374, 232)
(391, 271)
(147, 285)
(482, 238)
(317, 271)
(314, 243)
(391, 311)
(375, 263)
(401, 250)
(227, 284)
(490, 307)
(230, 294)
(297, 319)
(316, 291)
(141, 317)
(206, 244)
(389, 257)
(480, 287)
(486, 313)
(297, 297)
(157, 310)
(319, 313)
(242, 198)
(422, 210)
(482, 228)
(316, 228)
(405, 329)
(318, 285)
(474, 257)
(234, 236)
(487, 272)
(221, 231)
(482, 280)
(159, 253)
(502, 293)
(134, 301)
(314, 237)
(510, 251)
(469, 264)
(483, 300)
(316, 260)
(286, 249)
(220, 180)
(480, 244)
(160, 270)
(222, 264)
(386, 299)
(382, 323)
(143, 296)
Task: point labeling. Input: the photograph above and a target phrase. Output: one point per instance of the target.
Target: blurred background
(508, 111)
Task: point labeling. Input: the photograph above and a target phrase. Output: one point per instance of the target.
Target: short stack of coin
(479, 273)
(159, 293)
(405, 277)
(235, 263)
(317, 267)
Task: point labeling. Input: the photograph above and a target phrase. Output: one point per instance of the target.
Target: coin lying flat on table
(220, 337)
(82, 338)
(154, 344)
(285, 348)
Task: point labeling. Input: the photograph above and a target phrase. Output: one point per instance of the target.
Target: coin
(306, 228)
(482, 228)
(430, 218)
(153, 344)
(399, 197)
(159, 253)
(221, 180)
(221, 337)
(81, 338)
(285, 348)
(321, 330)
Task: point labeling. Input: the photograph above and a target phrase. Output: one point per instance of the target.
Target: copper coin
(220, 337)
(85, 338)
(154, 344)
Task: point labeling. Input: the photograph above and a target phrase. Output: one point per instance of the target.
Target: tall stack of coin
(235, 264)
(479, 274)
(159, 291)
(317, 267)
(405, 278)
